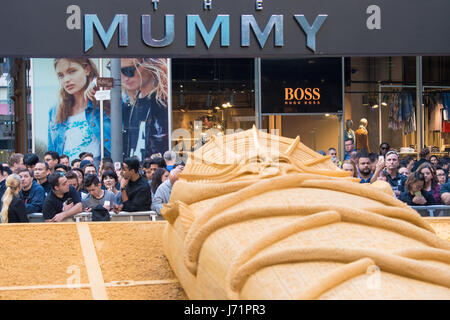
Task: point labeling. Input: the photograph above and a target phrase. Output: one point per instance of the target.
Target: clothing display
(402, 112)
(362, 137)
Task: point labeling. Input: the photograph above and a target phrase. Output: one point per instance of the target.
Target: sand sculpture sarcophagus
(257, 216)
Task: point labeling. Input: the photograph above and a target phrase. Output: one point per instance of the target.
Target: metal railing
(433, 211)
(121, 216)
(424, 211)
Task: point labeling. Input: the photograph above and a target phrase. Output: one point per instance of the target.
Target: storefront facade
(236, 65)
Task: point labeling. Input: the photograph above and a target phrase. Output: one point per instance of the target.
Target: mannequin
(349, 133)
(362, 136)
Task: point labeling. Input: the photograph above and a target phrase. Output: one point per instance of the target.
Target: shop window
(209, 97)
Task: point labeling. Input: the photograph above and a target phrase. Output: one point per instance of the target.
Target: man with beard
(364, 169)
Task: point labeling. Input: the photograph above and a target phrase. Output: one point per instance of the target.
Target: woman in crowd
(145, 82)
(415, 194)
(431, 182)
(109, 182)
(434, 161)
(74, 124)
(349, 165)
(160, 175)
(13, 208)
(441, 175)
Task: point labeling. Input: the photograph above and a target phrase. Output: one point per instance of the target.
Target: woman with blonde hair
(74, 124)
(145, 83)
(13, 208)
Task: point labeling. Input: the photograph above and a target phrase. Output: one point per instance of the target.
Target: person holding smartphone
(97, 196)
(415, 194)
(389, 165)
(74, 124)
(63, 201)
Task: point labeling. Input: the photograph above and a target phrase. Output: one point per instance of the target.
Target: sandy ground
(130, 255)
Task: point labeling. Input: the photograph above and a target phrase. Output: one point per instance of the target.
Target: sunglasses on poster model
(129, 71)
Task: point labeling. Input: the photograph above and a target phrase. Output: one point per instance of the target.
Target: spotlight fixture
(385, 100)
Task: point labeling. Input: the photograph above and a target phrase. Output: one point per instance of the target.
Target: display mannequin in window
(349, 133)
(362, 136)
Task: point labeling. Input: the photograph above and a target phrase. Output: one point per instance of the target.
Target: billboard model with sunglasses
(65, 120)
(145, 106)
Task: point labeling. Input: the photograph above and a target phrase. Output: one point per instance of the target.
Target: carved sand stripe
(92, 266)
(335, 278)
(240, 214)
(387, 262)
(316, 220)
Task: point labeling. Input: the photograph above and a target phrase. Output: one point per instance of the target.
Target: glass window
(209, 97)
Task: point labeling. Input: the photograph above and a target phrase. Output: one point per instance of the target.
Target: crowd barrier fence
(121, 216)
(424, 211)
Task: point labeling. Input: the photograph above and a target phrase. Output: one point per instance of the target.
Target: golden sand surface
(45, 261)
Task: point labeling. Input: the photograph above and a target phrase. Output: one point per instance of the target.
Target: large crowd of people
(420, 182)
(60, 190)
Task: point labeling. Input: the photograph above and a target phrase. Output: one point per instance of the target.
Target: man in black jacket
(136, 194)
(32, 193)
(63, 201)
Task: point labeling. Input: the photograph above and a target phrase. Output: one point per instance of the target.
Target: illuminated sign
(301, 96)
(301, 86)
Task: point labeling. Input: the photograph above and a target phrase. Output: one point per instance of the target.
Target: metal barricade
(87, 216)
(433, 211)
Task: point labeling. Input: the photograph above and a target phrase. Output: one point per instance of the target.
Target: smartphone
(117, 165)
(69, 201)
(380, 158)
(418, 194)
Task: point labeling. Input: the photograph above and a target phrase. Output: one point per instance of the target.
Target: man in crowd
(97, 196)
(364, 169)
(76, 163)
(349, 147)
(87, 156)
(151, 165)
(390, 169)
(32, 193)
(41, 173)
(332, 152)
(64, 159)
(170, 157)
(162, 194)
(63, 201)
(61, 168)
(4, 173)
(136, 193)
(89, 169)
(30, 161)
(16, 162)
(373, 161)
(445, 193)
(52, 159)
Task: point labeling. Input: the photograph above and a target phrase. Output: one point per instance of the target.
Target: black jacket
(407, 197)
(139, 196)
(17, 211)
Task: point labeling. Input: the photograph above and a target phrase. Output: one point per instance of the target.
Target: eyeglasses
(384, 148)
(129, 71)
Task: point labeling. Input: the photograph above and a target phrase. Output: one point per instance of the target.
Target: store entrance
(318, 132)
